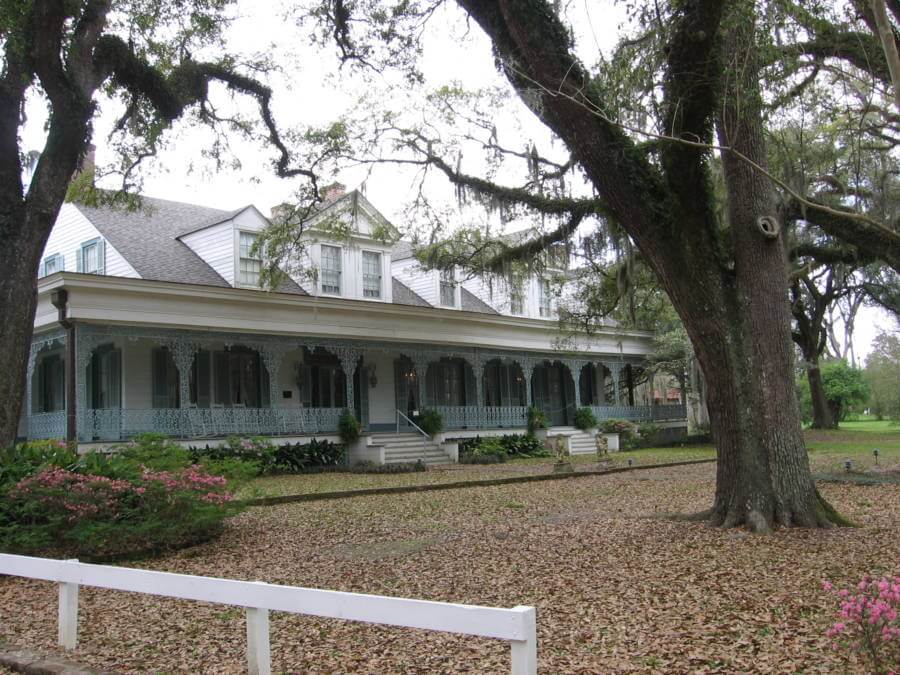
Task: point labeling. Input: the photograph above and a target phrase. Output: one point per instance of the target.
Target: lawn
(618, 586)
(828, 451)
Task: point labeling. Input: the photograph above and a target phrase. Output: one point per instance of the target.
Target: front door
(550, 393)
(406, 388)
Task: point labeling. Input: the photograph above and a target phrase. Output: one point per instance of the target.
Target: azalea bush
(868, 623)
(92, 516)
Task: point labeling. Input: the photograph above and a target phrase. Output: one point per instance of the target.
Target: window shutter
(221, 375)
(79, 259)
(471, 397)
(60, 263)
(101, 257)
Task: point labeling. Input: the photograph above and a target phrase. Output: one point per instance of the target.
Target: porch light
(848, 465)
(875, 454)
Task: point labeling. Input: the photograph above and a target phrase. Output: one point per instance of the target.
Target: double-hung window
(52, 263)
(331, 270)
(249, 263)
(544, 297)
(92, 257)
(448, 289)
(371, 262)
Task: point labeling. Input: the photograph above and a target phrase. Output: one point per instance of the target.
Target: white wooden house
(155, 320)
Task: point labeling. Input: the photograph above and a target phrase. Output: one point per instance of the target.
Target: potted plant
(584, 419)
(430, 421)
(537, 423)
(613, 430)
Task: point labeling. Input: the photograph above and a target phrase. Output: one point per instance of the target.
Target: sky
(310, 91)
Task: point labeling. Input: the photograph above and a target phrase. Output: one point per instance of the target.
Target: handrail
(416, 426)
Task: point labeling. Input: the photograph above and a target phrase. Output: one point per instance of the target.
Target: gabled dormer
(347, 248)
(226, 245)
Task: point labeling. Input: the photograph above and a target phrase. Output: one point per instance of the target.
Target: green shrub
(431, 422)
(523, 445)
(647, 434)
(65, 512)
(303, 457)
(25, 459)
(488, 451)
(584, 419)
(536, 419)
(618, 427)
(348, 427)
(366, 466)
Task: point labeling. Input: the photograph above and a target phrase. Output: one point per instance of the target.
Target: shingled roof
(148, 239)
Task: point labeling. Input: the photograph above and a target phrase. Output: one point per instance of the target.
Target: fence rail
(516, 625)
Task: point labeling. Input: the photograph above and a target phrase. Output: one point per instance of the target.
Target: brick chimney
(280, 212)
(333, 191)
(87, 165)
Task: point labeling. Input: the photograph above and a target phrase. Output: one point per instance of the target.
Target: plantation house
(153, 320)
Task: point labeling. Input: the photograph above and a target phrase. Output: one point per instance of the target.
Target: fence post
(524, 652)
(68, 613)
(259, 660)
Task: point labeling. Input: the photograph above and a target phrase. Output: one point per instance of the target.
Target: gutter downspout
(60, 300)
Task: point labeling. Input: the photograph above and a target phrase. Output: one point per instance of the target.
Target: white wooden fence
(517, 625)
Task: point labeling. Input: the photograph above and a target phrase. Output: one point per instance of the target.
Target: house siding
(70, 230)
(215, 245)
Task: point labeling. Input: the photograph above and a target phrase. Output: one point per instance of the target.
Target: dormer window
(249, 263)
(331, 270)
(371, 262)
(92, 257)
(544, 297)
(448, 289)
(52, 263)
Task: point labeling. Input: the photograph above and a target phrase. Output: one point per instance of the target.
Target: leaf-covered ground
(618, 587)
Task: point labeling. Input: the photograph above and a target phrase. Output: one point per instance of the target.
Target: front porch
(205, 385)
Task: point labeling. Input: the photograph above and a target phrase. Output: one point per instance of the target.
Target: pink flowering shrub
(98, 516)
(869, 622)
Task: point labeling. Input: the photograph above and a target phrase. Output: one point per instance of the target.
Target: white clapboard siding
(516, 625)
(70, 230)
(216, 246)
(424, 283)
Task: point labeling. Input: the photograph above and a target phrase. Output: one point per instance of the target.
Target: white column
(259, 660)
(68, 614)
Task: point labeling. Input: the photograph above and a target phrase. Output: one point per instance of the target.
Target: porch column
(629, 383)
(84, 349)
(272, 357)
(614, 370)
(32, 360)
(601, 381)
(183, 351)
(349, 357)
(528, 366)
(575, 366)
(478, 368)
(420, 363)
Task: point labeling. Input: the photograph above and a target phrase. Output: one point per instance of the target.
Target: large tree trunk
(19, 260)
(763, 469)
(821, 412)
(731, 296)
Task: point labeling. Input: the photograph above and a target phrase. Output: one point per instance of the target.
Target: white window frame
(447, 279)
(545, 299)
(58, 260)
(248, 258)
(375, 291)
(98, 244)
(329, 288)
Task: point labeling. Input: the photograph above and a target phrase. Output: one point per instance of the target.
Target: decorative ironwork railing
(115, 424)
(675, 411)
(491, 417)
(640, 413)
(47, 425)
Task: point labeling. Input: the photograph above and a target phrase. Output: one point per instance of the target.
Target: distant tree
(882, 374)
